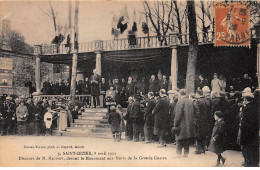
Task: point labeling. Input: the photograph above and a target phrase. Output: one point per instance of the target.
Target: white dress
(216, 85)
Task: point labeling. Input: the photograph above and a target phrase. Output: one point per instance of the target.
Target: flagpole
(148, 30)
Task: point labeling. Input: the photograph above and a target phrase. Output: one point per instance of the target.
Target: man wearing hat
(200, 121)
(129, 122)
(8, 117)
(162, 117)
(129, 89)
(210, 117)
(184, 121)
(95, 90)
(249, 127)
(149, 118)
(137, 117)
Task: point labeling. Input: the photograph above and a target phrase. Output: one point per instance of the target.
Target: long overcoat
(218, 146)
(149, 117)
(184, 118)
(161, 115)
(115, 120)
(200, 118)
(95, 80)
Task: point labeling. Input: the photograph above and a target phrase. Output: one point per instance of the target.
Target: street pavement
(84, 151)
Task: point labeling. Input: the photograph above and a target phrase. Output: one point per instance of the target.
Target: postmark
(232, 24)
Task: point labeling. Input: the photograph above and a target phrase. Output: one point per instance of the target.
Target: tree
(75, 55)
(193, 48)
(16, 42)
(160, 20)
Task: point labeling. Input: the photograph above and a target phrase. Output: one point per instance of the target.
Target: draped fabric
(124, 56)
(137, 56)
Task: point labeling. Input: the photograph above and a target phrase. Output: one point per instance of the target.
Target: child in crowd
(217, 142)
(48, 121)
(114, 120)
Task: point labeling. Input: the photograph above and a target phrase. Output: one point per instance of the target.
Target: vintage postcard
(133, 83)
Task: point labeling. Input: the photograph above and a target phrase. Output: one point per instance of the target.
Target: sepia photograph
(129, 83)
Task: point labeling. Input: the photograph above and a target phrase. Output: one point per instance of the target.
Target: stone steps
(89, 130)
(90, 117)
(96, 110)
(89, 125)
(92, 123)
(91, 114)
(76, 134)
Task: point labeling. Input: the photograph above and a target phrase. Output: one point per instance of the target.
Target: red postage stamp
(232, 24)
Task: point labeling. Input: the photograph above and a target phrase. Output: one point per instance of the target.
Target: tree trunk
(75, 56)
(193, 48)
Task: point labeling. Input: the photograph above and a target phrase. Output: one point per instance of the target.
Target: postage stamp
(232, 24)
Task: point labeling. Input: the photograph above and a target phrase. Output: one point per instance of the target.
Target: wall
(22, 70)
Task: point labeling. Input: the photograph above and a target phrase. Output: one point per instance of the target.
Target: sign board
(6, 63)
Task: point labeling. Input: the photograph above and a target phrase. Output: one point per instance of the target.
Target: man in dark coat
(162, 117)
(140, 87)
(249, 127)
(137, 117)
(173, 102)
(118, 89)
(8, 110)
(184, 121)
(202, 82)
(210, 116)
(235, 120)
(149, 118)
(246, 82)
(95, 90)
(46, 87)
(200, 121)
(31, 117)
(153, 85)
(129, 89)
(62, 87)
(129, 122)
(103, 89)
(87, 90)
(56, 89)
(164, 83)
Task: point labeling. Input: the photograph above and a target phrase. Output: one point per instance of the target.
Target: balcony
(124, 44)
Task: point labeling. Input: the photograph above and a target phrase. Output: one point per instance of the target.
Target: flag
(115, 31)
(134, 27)
(145, 28)
(121, 25)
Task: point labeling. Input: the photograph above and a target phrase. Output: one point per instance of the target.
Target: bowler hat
(219, 114)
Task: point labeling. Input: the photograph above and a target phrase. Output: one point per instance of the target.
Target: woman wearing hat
(22, 115)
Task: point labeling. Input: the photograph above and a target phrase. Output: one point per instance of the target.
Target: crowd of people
(25, 116)
(97, 85)
(214, 118)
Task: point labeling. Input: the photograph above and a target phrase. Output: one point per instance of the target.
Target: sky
(95, 18)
